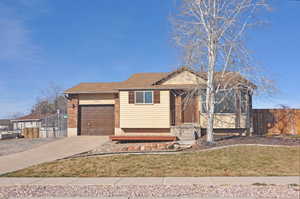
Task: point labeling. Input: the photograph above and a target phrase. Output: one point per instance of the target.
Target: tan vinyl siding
(185, 77)
(145, 115)
(92, 99)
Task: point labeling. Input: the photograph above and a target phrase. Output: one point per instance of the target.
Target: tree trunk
(210, 92)
(210, 116)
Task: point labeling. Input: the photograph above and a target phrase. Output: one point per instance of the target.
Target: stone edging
(85, 154)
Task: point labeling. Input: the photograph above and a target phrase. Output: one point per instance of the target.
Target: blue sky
(66, 42)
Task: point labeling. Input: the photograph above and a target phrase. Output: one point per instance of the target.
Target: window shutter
(156, 96)
(131, 97)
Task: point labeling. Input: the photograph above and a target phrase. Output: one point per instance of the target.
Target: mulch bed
(234, 140)
(144, 147)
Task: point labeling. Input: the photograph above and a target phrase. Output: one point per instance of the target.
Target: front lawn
(232, 161)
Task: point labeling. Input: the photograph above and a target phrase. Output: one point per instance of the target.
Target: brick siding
(73, 112)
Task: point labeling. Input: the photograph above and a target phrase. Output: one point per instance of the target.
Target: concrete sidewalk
(151, 181)
(49, 152)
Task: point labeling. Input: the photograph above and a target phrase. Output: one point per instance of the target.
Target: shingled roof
(138, 80)
(143, 81)
(32, 117)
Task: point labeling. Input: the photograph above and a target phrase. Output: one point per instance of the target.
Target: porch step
(186, 142)
(143, 138)
(186, 132)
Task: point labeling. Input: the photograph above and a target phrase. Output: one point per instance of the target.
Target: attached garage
(96, 120)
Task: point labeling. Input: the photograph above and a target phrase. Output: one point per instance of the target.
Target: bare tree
(50, 101)
(285, 120)
(212, 34)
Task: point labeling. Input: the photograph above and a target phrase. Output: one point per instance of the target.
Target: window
(139, 97)
(144, 97)
(224, 102)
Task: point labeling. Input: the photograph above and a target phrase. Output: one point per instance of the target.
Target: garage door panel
(97, 120)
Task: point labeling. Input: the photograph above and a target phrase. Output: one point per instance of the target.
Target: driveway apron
(49, 152)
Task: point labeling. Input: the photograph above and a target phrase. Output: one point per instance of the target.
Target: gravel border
(152, 191)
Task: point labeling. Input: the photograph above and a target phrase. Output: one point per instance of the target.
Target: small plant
(294, 185)
(171, 146)
(259, 184)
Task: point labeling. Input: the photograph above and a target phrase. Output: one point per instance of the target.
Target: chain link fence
(54, 126)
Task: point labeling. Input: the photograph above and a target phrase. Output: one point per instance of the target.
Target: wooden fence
(31, 132)
(276, 121)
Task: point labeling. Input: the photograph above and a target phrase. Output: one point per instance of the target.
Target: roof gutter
(147, 88)
(26, 120)
(90, 92)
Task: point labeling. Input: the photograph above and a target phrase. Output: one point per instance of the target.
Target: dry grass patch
(232, 161)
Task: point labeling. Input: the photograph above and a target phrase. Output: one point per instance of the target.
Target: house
(49, 125)
(150, 106)
(28, 121)
(5, 125)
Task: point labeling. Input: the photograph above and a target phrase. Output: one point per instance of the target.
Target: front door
(189, 110)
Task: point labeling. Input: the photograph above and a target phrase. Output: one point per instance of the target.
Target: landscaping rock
(150, 191)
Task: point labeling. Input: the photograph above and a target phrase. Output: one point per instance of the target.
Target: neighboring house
(50, 125)
(27, 121)
(5, 125)
(149, 105)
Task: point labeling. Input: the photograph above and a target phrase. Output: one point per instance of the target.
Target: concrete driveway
(49, 152)
(11, 146)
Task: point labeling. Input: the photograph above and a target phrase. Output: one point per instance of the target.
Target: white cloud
(17, 49)
(16, 40)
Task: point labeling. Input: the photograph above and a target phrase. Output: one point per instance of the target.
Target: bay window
(225, 101)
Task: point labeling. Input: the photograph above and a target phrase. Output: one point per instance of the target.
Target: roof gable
(181, 76)
(185, 77)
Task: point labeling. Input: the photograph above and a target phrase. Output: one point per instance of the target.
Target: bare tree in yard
(50, 101)
(211, 33)
(285, 120)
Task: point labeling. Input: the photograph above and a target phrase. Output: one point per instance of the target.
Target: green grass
(232, 161)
